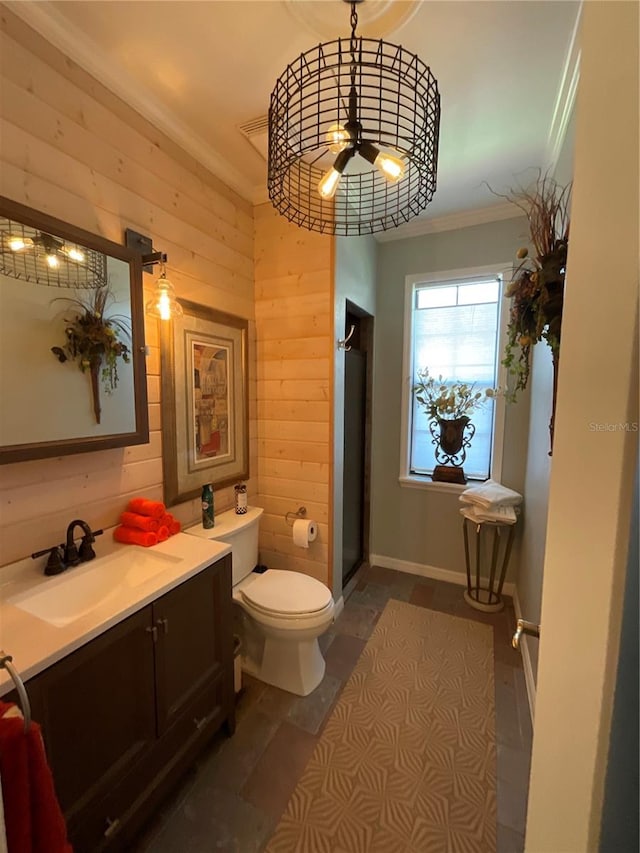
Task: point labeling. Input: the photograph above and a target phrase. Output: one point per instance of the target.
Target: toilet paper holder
(301, 512)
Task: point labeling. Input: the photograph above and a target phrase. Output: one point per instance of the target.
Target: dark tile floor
(233, 798)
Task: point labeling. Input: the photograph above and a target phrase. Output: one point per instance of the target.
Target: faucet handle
(86, 551)
(55, 563)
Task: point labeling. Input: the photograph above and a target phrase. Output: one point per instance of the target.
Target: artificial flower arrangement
(94, 340)
(537, 287)
(444, 400)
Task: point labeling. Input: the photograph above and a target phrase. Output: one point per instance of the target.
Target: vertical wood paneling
(72, 149)
(294, 311)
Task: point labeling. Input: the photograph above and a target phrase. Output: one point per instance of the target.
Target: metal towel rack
(299, 513)
(6, 663)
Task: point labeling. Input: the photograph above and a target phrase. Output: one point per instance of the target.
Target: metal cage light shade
(353, 97)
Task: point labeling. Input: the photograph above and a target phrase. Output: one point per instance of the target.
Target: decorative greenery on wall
(537, 287)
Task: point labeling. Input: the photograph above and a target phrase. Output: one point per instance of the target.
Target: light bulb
(163, 304)
(75, 255)
(392, 168)
(337, 138)
(330, 180)
(17, 244)
(53, 262)
(329, 183)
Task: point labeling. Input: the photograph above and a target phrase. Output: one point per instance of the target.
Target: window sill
(427, 484)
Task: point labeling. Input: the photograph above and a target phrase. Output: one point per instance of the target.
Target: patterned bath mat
(407, 760)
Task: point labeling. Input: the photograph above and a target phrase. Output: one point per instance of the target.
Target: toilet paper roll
(305, 530)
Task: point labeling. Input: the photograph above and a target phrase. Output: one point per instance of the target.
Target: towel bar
(6, 663)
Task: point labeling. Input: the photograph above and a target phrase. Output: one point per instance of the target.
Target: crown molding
(451, 222)
(566, 97)
(57, 30)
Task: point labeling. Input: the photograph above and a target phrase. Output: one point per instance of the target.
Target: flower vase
(448, 436)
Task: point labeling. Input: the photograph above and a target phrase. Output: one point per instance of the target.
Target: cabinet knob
(154, 633)
(112, 827)
(164, 624)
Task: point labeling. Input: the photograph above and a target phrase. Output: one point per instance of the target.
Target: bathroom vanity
(126, 712)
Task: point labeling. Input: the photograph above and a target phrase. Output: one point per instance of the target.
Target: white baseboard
(425, 571)
(526, 660)
(338, 608)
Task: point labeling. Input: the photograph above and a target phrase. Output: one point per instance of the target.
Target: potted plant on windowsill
(448, 406)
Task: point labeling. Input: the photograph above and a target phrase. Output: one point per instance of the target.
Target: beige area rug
(407, 760)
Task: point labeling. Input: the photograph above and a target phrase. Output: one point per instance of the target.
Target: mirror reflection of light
(53, 262)
(75, 255)
(17, 244)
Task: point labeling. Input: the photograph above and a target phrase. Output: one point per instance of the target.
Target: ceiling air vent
(256, 132)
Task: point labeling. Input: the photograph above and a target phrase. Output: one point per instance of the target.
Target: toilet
(280, 614)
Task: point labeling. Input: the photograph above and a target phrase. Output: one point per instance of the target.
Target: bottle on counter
(207, 507)
(241, 498)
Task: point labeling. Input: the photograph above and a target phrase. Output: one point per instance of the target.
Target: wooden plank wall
(294, 330)
(74, 150)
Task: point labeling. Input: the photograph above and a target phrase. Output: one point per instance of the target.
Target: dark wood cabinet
(125, 714)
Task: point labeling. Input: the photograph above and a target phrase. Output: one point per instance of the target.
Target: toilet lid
(291, 593)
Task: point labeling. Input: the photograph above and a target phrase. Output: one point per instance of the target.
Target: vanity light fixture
(336, 111)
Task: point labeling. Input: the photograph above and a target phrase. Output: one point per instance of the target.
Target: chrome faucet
(68, 554)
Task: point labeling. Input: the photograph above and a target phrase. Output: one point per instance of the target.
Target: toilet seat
(287, 595)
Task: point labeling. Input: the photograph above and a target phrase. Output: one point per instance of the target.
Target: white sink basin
(71, 595)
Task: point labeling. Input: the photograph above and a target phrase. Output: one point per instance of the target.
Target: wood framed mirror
(66, 386)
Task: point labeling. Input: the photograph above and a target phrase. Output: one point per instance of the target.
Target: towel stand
(6, 663)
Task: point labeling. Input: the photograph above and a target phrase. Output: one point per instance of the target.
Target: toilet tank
(239, 531)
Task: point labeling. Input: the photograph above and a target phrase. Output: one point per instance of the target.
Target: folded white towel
(490, 495)
(495, 515)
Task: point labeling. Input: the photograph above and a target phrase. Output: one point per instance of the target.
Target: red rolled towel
(163, 533)
(130, 536)
(155, 509)
(140, 522)
(171, 523)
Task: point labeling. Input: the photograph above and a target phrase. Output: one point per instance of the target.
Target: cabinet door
(194, 646)
(96, 708)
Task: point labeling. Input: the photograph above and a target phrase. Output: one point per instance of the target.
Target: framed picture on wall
(205, 414)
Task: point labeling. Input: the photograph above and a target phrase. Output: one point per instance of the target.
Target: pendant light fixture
(163, 304)
(38, 257)
(353, 136)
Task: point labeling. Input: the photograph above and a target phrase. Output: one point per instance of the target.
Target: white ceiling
(200, 70)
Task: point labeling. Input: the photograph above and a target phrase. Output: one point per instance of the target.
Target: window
(452, 326)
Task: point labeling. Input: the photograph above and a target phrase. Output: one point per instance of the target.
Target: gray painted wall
(355, 280)
(536, 489)
(407, 524)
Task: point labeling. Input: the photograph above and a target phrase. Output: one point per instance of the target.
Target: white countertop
(35, 644)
